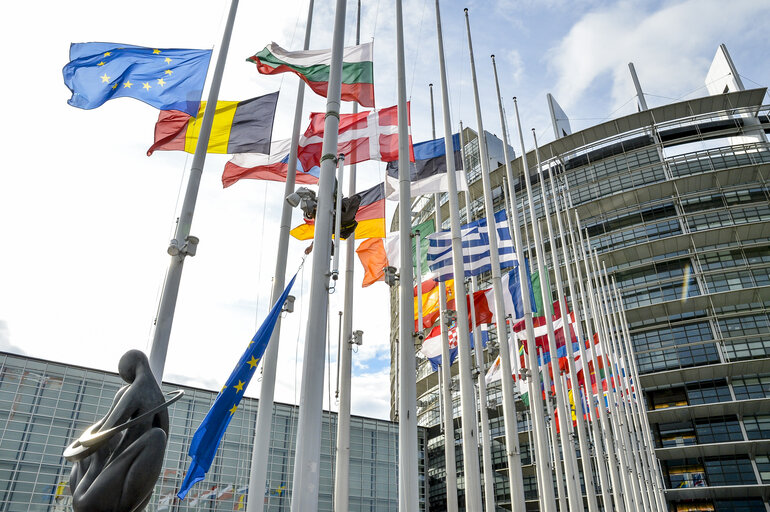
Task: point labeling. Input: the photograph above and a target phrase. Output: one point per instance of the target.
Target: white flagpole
(513, 457)
(467, 398)
(612, 413)
(585, 453)
(263, 427)
(623, 485)
(445, 370)
(630, 473)
(597, 442)
(545, 481)
(561, 494)
(635, 429)
(418, 268)
(640, 497)
(183, 244)
(446, 385)
(407, 406)
(344, 365)
(307, 459)
(609, 442)
(568, 450)
(596, 424)
(510, 422)
(641, 410)
(486, 442)
(568, 446)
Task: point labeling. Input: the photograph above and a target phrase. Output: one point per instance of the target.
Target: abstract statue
(118, 459)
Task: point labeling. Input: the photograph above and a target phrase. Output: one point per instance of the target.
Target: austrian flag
(363, 136)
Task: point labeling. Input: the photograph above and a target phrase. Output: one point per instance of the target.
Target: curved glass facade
(676, 201)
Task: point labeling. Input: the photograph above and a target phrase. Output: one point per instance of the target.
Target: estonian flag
(428, 174)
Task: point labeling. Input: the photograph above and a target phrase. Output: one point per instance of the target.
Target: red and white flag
(272, 167)
(363, 136)
(431, 347)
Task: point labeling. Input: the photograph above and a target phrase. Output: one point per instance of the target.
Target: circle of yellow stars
(160, 82)
(253, 363)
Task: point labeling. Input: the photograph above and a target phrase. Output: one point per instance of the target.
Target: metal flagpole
(510, 422)
(486, 442)
(619, 470)
(307, 459)
(651, 462)
(561, 495)
(407, 406)
(509, 407)
(568, 451)
(569, 330)
(183, 244)
(342, 449)
(613, 415)
(648, 457)
(640, 497)
(630, 479)
(535, 453)
(467, 398)
(418, 269)
(262, 430)
(446, 384)
(445, 370)
(635, 430)
(596, 423)
(641, 410)
(604, 420)
(585, 452)
(545, 482)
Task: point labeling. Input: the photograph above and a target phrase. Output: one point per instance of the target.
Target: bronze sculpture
(118, 459)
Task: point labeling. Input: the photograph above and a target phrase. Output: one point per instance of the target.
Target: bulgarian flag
(312, 66)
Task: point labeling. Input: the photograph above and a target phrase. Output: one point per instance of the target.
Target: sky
(84, 230)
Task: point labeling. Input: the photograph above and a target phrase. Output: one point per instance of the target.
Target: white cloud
(5, 340)
(370, 394)
(514, 66)
(671, 48)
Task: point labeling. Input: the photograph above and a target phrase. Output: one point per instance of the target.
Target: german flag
(370, 217)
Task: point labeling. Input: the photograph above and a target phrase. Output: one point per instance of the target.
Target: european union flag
(206, 439)
(167, 79)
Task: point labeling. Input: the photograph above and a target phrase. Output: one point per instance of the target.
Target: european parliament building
(676, 200)
(45, 405)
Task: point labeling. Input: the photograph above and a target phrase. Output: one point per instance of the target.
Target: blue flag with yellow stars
(206, 439)
(166, 78)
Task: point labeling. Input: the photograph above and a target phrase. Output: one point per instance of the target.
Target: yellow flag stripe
(220, 129)
(303, 232)
(372, 228)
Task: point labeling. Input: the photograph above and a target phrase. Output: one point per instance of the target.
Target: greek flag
(475, 240)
